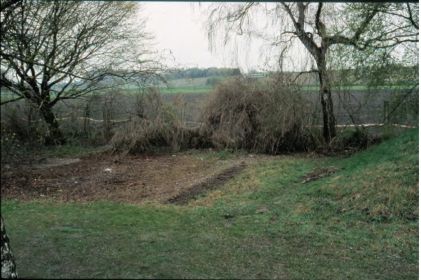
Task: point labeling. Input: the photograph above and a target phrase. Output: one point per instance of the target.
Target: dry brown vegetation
(267, 117)
(156, 125)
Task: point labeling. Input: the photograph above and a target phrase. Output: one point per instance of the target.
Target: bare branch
(340, 39)
(307, 41)
(410, 17)
(321, 29)
(12, 100)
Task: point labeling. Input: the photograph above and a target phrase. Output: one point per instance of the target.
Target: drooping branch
(11, 100)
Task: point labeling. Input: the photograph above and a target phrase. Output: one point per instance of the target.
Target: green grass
(173, 90)
(358, 223)
(5, 95)
(197, 87)
(186, 90)
(315, 88)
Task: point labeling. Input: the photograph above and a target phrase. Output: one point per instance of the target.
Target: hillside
(284, 217)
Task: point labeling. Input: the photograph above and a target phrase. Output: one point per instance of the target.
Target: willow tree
(318, 27)
(57, 50)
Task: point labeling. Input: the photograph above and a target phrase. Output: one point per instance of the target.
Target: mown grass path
(360, 222)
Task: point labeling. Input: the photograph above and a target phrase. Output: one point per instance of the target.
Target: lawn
(187, 90)
(358, 222)
(361, 88)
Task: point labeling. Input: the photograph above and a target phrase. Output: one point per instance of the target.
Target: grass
(198, 87)
(178, 86)
(204, 89)
(186, 90)
(359, 223)
(363, 88)
(173, 90)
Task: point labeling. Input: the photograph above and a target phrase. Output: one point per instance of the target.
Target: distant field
(5, 95)
(312, 88)
(189, 90)
(199, 86)
(170, 90)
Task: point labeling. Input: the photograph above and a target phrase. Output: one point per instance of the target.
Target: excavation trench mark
(210, 183)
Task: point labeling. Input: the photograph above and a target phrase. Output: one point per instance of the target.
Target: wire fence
(101, 114)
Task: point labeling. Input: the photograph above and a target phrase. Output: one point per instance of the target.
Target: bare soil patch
(132, 179)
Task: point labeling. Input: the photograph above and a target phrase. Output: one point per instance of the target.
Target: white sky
(180, 28)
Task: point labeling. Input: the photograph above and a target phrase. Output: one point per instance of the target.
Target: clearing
(174, 178)
(283, 217)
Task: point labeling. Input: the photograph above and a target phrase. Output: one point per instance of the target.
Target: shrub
(351, 140)
(264, 117)
(22, 120)
(13, 150)
(155, 126)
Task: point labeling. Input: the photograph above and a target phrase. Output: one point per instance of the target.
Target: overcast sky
(179, 28)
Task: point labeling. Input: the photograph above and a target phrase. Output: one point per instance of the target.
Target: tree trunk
(54, 137)
(8, 266)
(329, 122)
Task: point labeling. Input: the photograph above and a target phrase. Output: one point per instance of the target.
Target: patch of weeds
(70, 150)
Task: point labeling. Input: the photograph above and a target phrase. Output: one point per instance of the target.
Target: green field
(358, 223)
(199, 86)
(173, 90)
(364, 88)
(187, 90)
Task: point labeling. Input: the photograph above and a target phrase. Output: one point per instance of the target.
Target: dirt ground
(134, 179)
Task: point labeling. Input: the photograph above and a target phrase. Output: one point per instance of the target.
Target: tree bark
(54, 137)
(329, 122)
(319, 54)
(8, 266)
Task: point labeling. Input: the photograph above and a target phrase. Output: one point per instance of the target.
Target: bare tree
(57, 50)
(319, 27)
(7, 9)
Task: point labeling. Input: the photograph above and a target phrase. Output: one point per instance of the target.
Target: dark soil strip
(319, 173)
(209, 184)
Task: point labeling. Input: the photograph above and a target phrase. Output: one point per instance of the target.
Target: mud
(132, 179)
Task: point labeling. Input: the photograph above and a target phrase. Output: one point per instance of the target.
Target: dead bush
(351, 140)
(22, 120)
(266, 117)
(156, 125)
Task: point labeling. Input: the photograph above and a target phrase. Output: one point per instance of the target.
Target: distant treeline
(191, 73)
